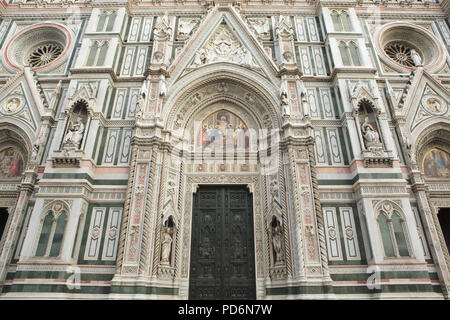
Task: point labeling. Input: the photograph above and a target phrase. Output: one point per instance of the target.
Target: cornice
(354, 72)
(96, 71)
(196, 7)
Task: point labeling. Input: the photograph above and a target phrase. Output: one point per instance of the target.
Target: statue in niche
(166, 241)
(284, 94)
(274, 189)
(166, 245)
(370, 135)
(74, 134)
(141, 102)
(78, 116)
(416, 58)
(163, 86)
(284, 98)
(34, 153)
(276, 241)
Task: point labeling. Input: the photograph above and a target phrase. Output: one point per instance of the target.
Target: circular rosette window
(42, 46)
(44, 54)
(401, 45)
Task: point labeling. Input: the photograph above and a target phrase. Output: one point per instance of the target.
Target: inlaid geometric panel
(332, 234)
(335, 146)
(349, 233)
(119, 103)
(95, 234)
(134, 30)
(132, 102)
(321, 156)
(312, 29)
(112, 234)
(128, 61)
(313, 105)
(327, 104)
(111, 143)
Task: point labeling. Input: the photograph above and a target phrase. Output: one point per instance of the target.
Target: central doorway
(3, 220)
(222, 247)
(444, 221)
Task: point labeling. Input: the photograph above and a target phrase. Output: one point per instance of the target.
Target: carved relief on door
(222, 248)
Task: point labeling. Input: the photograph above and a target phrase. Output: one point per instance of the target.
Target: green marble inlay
(376, 176)
(144, 290)
(85, 176)
(300, 290)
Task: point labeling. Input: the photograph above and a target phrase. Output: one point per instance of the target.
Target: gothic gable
(18, 107)
(223, 36)
(426, 103)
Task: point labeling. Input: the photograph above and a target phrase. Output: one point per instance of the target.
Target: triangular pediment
(427, 101)
(362, 91)
(85, 91)
(223, 37)
(17, 105)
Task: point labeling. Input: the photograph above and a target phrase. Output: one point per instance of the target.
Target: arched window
(386, 235)
(341, 21)
(392, 231)
(52, 233)
(349, 53)
(346, 23)
(106, 21)
(45, 235)
(102, 54)
(101, 21)
(58, 235)
(343, 49)
(354, 53)
(97, 53)
(92, 54)
(111, 20)
(335, 17)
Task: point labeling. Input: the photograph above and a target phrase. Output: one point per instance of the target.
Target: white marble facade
(334, 115)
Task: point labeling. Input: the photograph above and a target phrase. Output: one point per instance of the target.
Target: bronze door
(222, 248)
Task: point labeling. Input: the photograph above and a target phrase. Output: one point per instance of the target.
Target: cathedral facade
(195, 149)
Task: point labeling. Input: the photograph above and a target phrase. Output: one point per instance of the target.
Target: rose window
(44, 54)
(402, 46)
(400, 53)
